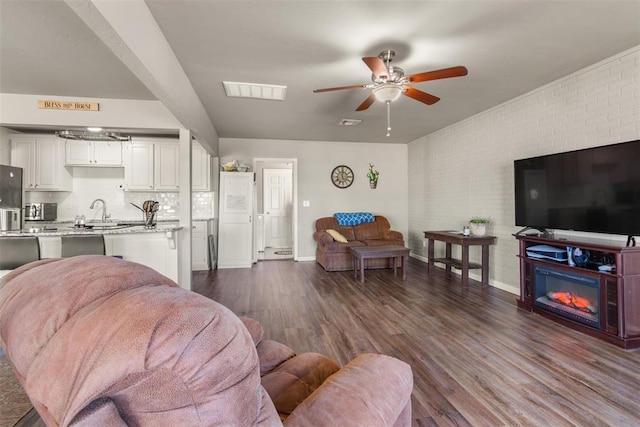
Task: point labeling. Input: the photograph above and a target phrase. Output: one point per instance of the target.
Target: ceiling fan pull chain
(388, 118)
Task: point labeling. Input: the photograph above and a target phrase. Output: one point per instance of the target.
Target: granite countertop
(67, 228)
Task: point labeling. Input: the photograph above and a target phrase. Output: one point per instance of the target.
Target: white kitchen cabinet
(200, 231)
(42, 159)
(166, 166)
(201, 179)
(93, 153)
(155, 250)
(138, 166)
(151, 165)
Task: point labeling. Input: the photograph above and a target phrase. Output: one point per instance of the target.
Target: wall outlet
(424, 243)
(305, 203)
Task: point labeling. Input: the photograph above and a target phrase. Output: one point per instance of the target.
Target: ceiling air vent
(255, 91)
(349, 122)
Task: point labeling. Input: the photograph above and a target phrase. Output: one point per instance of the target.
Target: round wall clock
(342, 176)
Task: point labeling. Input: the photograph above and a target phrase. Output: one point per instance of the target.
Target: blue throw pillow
(353, 218)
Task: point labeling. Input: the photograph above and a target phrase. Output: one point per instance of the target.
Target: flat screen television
(595, 190)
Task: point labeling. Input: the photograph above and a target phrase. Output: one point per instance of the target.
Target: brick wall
(466, 169)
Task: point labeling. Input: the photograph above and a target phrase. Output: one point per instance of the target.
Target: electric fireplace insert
(574, 296)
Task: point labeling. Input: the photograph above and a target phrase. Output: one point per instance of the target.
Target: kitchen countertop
(63, 229)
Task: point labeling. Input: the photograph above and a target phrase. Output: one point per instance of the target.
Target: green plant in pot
(373, 175)
(478, 226)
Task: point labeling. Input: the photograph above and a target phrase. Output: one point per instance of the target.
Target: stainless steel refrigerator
(10, 198)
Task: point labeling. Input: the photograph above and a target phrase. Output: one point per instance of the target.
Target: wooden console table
(463, 264)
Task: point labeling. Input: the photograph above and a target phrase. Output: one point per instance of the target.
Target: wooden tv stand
(619, 290)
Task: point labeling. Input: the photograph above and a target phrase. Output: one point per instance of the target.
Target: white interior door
(278, 207)
(235, 237)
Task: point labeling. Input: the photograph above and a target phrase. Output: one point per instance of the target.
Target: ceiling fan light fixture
(387, 92)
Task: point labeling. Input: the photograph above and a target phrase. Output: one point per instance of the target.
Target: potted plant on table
(373, 175)
(478, 226)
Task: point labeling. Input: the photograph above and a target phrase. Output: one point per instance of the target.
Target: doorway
(275, 233)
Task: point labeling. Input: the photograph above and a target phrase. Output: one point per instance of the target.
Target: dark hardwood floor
(477, 360)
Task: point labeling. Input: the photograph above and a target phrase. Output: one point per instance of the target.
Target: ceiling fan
(389, 82)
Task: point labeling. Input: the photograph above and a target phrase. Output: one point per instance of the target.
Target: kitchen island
(153, 247)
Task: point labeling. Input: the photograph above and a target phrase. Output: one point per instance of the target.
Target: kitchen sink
(109, 225)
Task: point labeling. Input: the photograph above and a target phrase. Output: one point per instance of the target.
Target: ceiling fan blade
(419, 95)
(445, 73)
(376, 65)
(329, 89)
(367, 103)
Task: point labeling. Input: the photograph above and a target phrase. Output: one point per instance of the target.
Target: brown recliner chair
(95, 340)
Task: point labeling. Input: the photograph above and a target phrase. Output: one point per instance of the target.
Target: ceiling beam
(132, 34)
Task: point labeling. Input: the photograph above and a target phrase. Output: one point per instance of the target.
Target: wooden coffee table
(360, 253)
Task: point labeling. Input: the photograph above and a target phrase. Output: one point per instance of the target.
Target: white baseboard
(495, 283)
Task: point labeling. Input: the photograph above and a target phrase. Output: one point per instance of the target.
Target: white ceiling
(509, 48)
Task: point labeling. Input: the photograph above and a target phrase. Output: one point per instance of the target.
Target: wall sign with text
(48, 104)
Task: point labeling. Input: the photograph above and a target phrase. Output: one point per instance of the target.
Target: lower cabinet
(200, 232)
(155, 250)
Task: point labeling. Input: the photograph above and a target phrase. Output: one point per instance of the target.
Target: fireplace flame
(572, 300)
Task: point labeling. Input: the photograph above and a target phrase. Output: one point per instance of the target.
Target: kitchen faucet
(105, 216)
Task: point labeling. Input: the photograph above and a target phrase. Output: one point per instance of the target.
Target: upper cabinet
(200, 168)
(138, 166)
(151, 165)
(166, 170)
(93, 153)
(42, 159)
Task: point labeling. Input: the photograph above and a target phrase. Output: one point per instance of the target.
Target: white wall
(466, 170)
(316, 160)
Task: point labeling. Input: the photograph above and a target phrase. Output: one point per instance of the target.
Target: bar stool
(92, 244)
(17, 251)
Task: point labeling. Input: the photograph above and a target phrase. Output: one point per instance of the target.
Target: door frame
(258, 165)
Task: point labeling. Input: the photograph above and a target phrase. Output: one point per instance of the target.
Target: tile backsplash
(107, 184)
